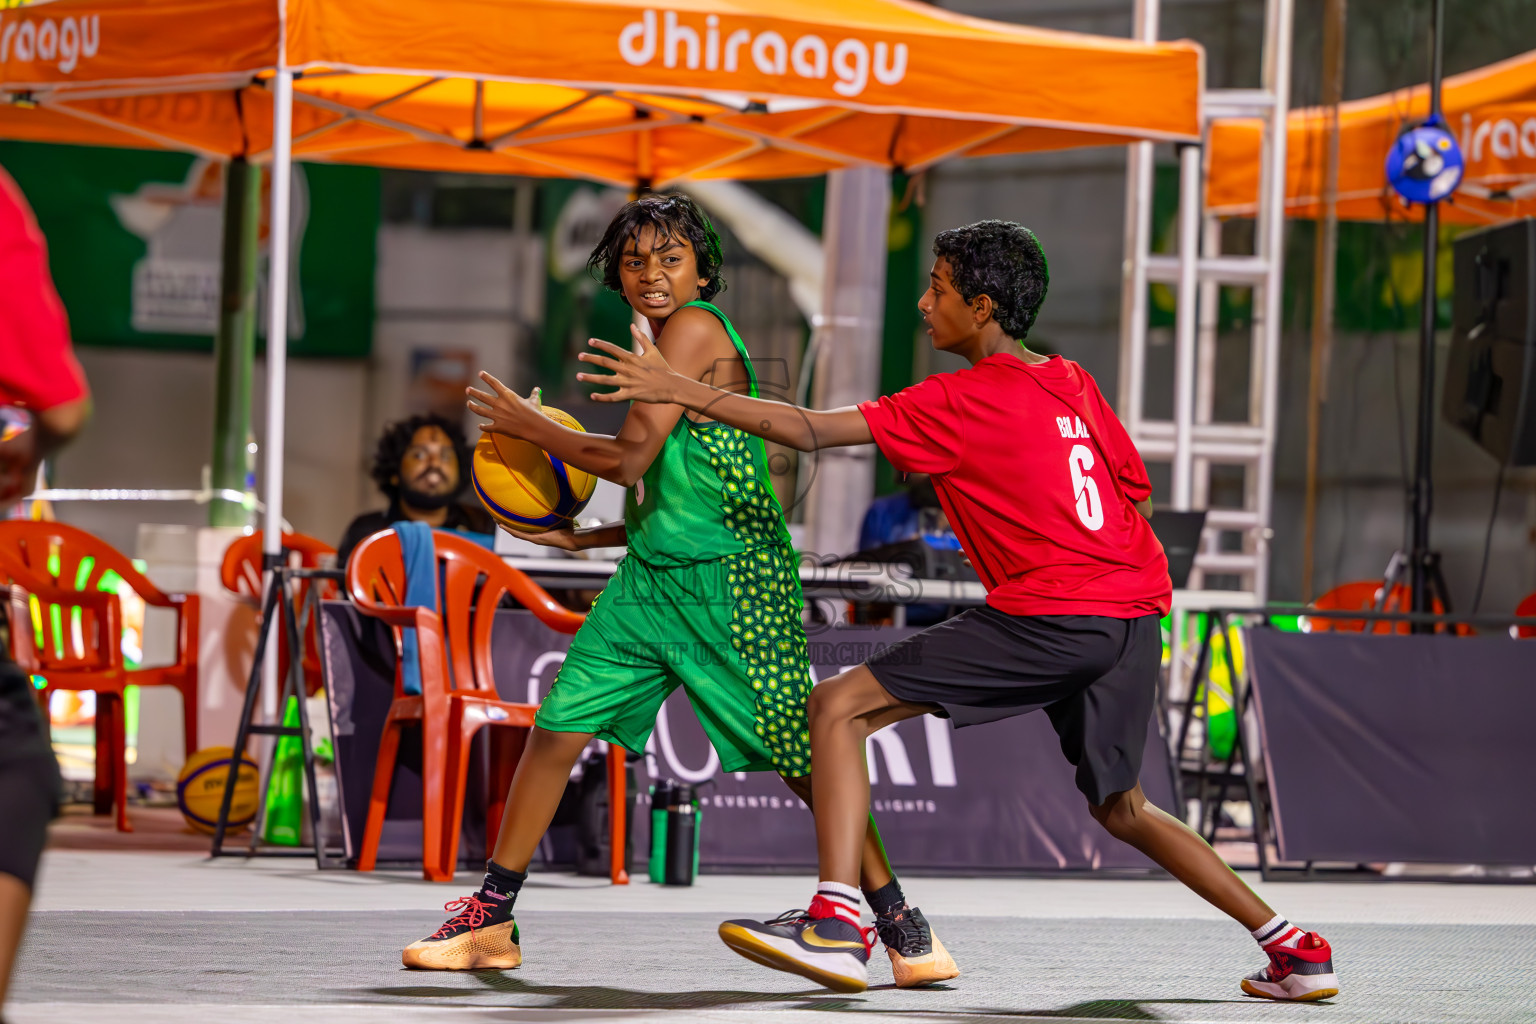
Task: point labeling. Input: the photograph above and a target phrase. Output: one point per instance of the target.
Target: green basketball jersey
(707, 495)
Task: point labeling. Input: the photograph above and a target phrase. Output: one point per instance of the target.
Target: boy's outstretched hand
(639, 376)
(509, 413)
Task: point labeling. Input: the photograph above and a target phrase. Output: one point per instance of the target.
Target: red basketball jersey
(1039, 479)
(37, 367)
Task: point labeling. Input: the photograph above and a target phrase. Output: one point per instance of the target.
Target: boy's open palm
(639, 376)
(509, 412)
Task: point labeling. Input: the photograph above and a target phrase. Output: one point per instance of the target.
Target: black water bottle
(682, 825)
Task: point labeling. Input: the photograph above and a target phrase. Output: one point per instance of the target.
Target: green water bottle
(661, 795)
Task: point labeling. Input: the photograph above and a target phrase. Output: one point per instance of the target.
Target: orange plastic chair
(29, 648)
(1526, 609)
(458, 693)
(1361, 595)
(71, 563)
(240, 572)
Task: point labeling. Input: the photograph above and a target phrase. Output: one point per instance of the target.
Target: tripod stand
(278, 614)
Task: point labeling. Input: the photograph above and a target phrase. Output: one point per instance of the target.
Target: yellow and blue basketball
(525, 487)
(200, 789)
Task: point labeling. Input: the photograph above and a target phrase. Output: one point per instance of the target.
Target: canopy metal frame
(1192, 442)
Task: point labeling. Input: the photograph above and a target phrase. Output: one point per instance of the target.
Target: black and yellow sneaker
(917, 956)
(480, 936)
(814, 944)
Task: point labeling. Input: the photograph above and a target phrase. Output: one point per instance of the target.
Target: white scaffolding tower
(1192, 442)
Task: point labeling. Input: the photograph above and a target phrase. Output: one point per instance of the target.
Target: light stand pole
(1422, 564)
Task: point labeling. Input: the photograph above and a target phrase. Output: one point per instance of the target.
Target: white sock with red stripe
(841, 900)
(1277, 932)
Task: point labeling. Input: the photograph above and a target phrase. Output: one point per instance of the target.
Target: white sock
(843, 899)
(1277, 931)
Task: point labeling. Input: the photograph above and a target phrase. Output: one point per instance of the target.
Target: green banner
(134, 247)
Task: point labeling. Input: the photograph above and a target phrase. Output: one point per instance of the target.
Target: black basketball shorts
(30, 789)
(1096, 677)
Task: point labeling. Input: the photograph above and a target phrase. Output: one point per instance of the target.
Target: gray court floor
(140, 937)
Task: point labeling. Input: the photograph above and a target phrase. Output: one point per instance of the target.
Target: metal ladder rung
(1231, 518)
(1226, 562)
(1224, 104)
(1164, 269)
(1164, 429)
(1160, 449)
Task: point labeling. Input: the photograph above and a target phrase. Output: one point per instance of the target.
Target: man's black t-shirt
(471, 518)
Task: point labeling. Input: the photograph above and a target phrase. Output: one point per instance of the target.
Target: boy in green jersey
(709, 568)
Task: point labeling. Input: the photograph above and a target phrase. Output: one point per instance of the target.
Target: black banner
(989, 798)
(1397, 748)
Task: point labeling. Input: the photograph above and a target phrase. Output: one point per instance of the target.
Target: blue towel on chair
(420, 559)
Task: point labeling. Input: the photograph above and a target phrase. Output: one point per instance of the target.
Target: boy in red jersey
(1050, 500)
(38, 374)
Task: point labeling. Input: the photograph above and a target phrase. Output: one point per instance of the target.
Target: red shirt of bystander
(37, 368)
(1039, 479)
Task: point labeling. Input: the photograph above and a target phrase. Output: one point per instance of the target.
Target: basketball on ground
(526, 488)
(200, 790)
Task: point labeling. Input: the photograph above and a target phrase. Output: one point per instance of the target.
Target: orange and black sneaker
(1300, 973)
(480, 936)
(814, 944)
(917, 956)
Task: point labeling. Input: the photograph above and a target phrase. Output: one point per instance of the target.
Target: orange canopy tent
(1491, 110)
(620, 91)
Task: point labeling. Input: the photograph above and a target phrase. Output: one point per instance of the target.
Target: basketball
(525, 487)
(200, 790)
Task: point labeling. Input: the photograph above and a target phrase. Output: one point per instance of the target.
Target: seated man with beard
(422, 466)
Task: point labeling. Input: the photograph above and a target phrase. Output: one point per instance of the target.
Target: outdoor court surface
(171, 937)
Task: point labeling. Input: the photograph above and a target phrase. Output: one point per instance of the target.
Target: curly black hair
(396, 440)
(672, 215)
(1002, 260)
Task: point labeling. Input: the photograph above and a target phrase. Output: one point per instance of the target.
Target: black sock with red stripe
(888, 900)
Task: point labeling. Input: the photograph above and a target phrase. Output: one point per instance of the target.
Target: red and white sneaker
(1301, 973)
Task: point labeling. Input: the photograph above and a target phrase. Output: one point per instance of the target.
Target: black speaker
(1490, 377)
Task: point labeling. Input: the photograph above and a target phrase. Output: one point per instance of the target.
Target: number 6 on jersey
(1084, 491)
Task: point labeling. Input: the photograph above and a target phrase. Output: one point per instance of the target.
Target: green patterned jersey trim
(708, 493)
(768, 635)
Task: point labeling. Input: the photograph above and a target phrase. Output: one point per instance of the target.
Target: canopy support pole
(848, 350)
(234, 349)
(1323, 268)
(1138, 235)
(1186, 320)
(277, 348)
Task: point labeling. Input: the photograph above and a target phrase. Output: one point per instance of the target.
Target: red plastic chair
(72, 562)
(1361, 595)
(458, 693)
(1526, 609)
(240, 572)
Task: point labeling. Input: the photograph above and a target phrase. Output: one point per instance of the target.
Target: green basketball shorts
(728, 631)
